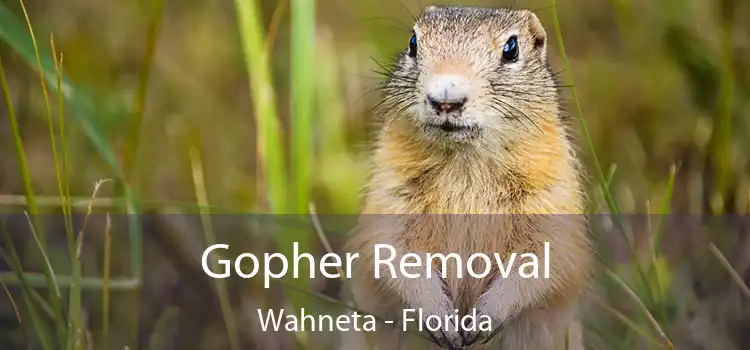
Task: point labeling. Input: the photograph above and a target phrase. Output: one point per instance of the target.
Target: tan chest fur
(475, 201)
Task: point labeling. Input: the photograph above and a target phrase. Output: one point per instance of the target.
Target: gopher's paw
(480, 335)
(438, 315)
(444, 332)
(492, 305)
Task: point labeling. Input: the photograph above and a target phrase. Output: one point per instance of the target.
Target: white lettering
(298, 257)
(404, 264)
(534, 264)
(444, 264)
(470, 265)
(270, 318)
(324, 264)
(546, 260)
(387, 262)
(349, 259)
(225, 263)
(238, 267)
(505, 270)
(268, 273)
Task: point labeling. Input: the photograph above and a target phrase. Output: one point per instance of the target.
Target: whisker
(381, 102)
(554, 74)
(499, 101)
(404, 26)
(524, 96)
(413, 17)
(503, 112)
(392, 102)
(395, 88)
(394, 76)
(555, 86)
(387, 69)
(506, 114)
(399, 115)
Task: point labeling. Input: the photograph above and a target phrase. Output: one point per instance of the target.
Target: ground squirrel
(472, 124)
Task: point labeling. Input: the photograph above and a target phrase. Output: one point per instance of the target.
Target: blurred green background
(174, 102)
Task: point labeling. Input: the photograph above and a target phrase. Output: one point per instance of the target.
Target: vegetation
(158, 108)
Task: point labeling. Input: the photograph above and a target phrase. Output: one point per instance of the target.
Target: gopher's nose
(447, 93)
(446, 106)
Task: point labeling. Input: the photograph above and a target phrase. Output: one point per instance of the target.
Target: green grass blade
(598, 168)
(579, 112)
(65, 181)
(36, 280)
(139, 102)
(50, 279)
(273, 27)
(653, 272)
(106, 281)
(736, 278)
(665, 210)
(303, 38)
(629, 323)
(642, 306)
(132, 206)
(76, 337)
(721, 137)
(611, 175)
(202, 198)
(302, 93)
(23, 168)
(269, 133)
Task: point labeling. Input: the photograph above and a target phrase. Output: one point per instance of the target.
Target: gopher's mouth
(452, 127)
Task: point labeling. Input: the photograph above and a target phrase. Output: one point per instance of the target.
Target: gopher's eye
(510, 50)
(413, 46)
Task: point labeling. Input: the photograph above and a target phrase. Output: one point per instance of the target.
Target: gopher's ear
(537, 32)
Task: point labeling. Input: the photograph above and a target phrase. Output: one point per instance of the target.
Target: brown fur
(520, 162)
